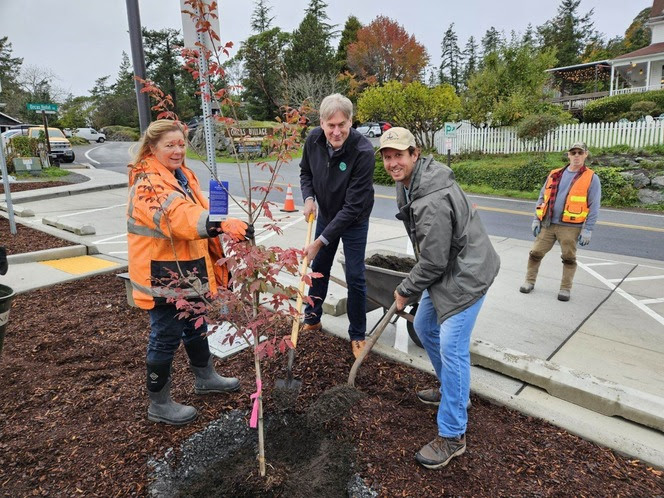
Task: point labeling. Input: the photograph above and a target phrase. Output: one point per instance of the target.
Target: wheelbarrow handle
(370, 342)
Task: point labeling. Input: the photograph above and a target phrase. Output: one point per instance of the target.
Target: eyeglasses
(576, 152)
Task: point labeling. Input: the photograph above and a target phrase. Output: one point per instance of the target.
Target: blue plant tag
(218, 200)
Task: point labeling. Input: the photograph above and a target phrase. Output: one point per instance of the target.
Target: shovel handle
(371, 341)
(303, 269)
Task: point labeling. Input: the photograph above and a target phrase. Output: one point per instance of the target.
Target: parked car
(23, 128)
(90, 134)
(60, 146)
(370, 129)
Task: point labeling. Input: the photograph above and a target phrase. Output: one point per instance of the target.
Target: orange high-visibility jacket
(576, 203)
(150, 227)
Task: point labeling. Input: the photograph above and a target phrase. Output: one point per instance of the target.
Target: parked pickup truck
(90, 134)
(60, 146)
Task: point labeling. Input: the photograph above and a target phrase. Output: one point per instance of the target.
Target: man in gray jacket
(456, 265)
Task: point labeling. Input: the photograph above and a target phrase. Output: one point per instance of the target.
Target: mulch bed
(23, 186)
(73, 413)
(27, 239)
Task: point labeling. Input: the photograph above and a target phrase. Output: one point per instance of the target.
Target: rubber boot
(208, 381)
(163, 409)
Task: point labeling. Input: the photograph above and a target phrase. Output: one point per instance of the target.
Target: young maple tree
(245, 306)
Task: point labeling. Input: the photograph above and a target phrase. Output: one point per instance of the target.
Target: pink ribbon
(253, 421)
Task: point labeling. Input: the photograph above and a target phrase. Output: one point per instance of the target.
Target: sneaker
(357, 347)
(440, 451)
(563, 295)
(429, 396)
(312, 327)
(527, 288)
(433, 397)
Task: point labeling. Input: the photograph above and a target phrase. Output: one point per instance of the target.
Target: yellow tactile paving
(79, 264)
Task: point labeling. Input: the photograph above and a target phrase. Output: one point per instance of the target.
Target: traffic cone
(289, 205)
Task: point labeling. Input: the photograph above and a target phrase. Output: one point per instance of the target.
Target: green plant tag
(342, 166)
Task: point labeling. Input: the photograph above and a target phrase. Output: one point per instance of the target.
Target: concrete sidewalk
(593, 365)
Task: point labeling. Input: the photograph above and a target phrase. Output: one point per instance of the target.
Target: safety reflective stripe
(201, 226)
(578, 198)
(133, 227)
(167, 292)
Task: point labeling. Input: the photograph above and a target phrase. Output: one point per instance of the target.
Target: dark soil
(23, 186)
(73, 419)
(390, 262)
(27, 239)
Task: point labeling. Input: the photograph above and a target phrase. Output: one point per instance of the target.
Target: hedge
(601, 109)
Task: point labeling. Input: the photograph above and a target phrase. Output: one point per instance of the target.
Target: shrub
(632, 115)
(536, 127)
(121, 134)
(645, 106)
(78, 141)
(381, 177)
(601, 109)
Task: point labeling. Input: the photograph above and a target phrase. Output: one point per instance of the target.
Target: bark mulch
(73, 414)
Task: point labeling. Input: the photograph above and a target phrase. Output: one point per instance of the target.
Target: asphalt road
(618, 231)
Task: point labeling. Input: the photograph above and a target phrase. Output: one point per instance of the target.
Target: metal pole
(48, 142)
(8, 194)
(206, 106)
(138, 60)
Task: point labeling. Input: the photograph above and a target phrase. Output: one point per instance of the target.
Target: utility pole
(138, 60)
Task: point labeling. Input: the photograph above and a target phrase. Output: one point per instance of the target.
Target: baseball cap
(397, 138)
(578, 145)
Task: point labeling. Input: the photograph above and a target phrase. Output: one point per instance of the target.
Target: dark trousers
(166, 332)
(354, 240)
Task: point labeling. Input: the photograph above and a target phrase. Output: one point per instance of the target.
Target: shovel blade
(291, 384)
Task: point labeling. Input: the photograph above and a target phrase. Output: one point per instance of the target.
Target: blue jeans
(448, 347)
(354, 239)
(166, 332)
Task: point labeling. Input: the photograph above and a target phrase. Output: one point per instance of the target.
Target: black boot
(162, 408)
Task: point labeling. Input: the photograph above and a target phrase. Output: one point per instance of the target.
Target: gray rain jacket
(456, 262)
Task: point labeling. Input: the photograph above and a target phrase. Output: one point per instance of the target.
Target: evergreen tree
(471, 57)
(567, 32)
(491, 41)
(450, 63)
(11, 95)
(348, 36)
(528, 37)
(310, 50)
(263, 62)
(260, 19)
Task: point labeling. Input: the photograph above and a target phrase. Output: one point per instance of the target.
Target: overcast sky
(82, 40)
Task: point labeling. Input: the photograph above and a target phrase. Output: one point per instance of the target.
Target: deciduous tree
(385, 51)
(415, 106)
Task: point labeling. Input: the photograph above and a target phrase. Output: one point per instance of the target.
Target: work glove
(536, 227)
(3, 261)
(584, 237)
(236, 228)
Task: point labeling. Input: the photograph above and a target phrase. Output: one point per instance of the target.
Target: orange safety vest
(576, 204)
(150, 227)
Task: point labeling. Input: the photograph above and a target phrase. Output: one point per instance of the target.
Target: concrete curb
(48, 254)
(17, 198)
(70, 226)
(598, 395)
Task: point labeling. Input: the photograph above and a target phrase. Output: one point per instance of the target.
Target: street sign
(450, 130)
(41, 107)
(448, 143)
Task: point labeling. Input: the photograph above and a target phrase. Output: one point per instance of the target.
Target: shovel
(289, 382)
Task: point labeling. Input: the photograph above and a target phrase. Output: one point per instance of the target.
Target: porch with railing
(637, 89)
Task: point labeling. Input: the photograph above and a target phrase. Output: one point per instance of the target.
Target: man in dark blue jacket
(336, 173)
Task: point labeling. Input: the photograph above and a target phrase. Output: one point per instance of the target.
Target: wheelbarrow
(381, 283)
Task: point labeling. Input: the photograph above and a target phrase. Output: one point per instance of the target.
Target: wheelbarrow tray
(381, 282)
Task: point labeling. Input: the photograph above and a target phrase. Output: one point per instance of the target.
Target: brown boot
(357, 347)
(311, 327)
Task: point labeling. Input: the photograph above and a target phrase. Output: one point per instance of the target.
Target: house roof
(657, 8)
(655, 48)
(6, 119)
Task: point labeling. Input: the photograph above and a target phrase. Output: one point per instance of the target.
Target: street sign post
(42, 107)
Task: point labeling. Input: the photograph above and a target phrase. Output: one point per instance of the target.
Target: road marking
(624, 294)
(92, 210)
(652, 301)
(106, 240)
(635, 279)
(603, 264)
(88, 152)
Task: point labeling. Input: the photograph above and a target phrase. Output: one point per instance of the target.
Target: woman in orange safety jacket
(170, 238)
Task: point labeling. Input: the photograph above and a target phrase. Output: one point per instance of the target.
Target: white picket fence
(505, 141)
